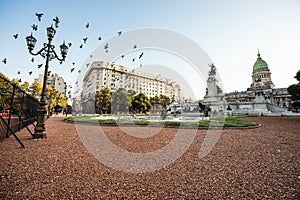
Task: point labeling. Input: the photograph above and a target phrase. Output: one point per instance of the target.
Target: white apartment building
(113, 76)
(55, 81)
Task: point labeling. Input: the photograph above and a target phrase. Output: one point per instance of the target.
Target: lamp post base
(40, 130)
(39, 135)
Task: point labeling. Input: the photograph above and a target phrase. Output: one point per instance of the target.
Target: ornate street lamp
(46, 52)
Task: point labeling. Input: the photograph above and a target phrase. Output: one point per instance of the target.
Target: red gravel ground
(261, 163)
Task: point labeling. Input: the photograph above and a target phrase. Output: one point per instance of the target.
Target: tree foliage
(139, 103)
(294, 91)
(103, 101)
(35, 89)
(120, 100)
(164, 101)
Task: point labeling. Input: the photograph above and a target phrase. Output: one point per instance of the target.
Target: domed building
(261, 96)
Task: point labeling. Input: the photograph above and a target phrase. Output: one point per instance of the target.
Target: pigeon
(30, 73)
(4, 60)
(56, 20)
(135, 46)
(40, 65)
(18, 72)
(20, 80)
(49, 72)
(73, 63)
(133, 60)
(70, 44)
(122, 56)
(39, 16)
(81, 46)
(61, 62)
(34, 27)
(84, 40)
(72, 69)
(16, 36)
(141, 55)
(120, 33)
(32, 59)
(87, 25)
(99, 38)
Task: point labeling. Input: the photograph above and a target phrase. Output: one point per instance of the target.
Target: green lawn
(236, 121)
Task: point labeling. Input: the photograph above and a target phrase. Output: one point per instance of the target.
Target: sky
(229, 34)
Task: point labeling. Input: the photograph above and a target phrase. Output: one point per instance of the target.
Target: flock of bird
(84, 39)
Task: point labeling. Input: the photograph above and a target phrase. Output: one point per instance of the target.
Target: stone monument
(214, 97)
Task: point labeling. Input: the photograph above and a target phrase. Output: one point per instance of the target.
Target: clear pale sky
(229, 31)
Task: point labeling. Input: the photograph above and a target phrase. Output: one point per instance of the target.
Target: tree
(35, 89)
(15, 81)
(294, 91)
(164, 101)
(139, 103)
(25, 86)
(4, 86)
(103, 101)
(120, 100)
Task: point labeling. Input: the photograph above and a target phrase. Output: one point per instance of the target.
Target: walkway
(245, 164)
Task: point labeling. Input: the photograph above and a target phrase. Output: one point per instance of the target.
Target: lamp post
(46, 52)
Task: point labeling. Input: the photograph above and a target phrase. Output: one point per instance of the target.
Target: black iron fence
(18, 109)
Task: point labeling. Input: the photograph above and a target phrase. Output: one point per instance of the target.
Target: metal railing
(17, 109)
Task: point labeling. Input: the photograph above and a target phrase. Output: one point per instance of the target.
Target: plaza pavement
(260, 163)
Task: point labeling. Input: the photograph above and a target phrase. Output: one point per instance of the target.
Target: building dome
(260, 64)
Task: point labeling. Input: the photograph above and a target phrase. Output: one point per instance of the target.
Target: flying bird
(106, 46)
(16, 36)
(32, 60)
(79, 71)
(70, 44)
(18, 72)
(39, 16)
(72, 69)
(133, 60)
(122, 56)
(87, 25)
(120, 33)
(30, 73)
(34, 27)
(20, 80)
(73, 63)
(135, 46)
(40, 65)
(141, 55)
(81, 46)
(84, 40)
(87, 64)
(99, 38)
(4, 60)
(106, 51)
(141, 65)
(56, 20)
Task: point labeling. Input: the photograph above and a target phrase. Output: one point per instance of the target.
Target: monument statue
(214, 97)
(213, 69)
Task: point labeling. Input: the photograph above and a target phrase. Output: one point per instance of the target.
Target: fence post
(10, 109)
